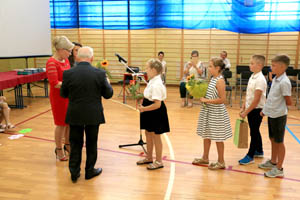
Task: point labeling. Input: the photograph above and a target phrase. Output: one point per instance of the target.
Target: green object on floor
(27, 130)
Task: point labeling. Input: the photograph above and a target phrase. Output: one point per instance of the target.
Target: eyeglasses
(68, 50)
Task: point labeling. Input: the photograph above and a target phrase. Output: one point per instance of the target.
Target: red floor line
(138, 155)
(169, 160)
(35, 116)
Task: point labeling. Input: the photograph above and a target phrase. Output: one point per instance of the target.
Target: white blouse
(155, 89)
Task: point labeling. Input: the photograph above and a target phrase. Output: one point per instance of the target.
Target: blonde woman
(55, 67)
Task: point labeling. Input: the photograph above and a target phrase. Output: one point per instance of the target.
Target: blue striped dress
(213, 122)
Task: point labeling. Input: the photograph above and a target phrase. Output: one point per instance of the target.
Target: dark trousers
(76, 142)
(182, 90)
(254, 120)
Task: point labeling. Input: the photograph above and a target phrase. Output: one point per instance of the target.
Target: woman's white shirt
(194, 71)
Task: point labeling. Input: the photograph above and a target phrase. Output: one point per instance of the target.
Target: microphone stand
(140, 142)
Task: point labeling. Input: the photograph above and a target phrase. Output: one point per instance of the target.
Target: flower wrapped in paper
(196, 88)
(103, 65)
(134, 90)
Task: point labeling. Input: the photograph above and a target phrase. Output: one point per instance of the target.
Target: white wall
(24, 28)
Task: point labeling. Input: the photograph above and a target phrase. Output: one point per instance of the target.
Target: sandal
(155, 165)
(9, 126)
(216, 165)
(144, 161)
(200, 161)
(67, 149)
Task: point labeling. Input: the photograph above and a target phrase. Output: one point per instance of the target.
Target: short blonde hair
(156, 64)
(259, 59)
(62, 42)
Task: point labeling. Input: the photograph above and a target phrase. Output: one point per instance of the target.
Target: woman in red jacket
(55, 67)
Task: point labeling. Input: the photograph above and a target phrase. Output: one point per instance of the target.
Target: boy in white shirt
(255, 101)
(161, 56)
(226, 61)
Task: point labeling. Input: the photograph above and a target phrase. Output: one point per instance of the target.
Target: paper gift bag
(241, 134)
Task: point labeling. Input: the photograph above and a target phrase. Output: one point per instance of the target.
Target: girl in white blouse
(153, 115)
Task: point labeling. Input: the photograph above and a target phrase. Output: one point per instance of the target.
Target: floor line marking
(30, 118)
(229, 168)
(172, 156)
(295, 137)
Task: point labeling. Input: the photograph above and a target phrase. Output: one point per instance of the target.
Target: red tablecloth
(11, 79)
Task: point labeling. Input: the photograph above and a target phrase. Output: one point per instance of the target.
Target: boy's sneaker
(246, 160)
(273, 173)
(258, 155)
(267, 165)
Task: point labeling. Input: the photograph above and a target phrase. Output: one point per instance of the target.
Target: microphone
(121, 59)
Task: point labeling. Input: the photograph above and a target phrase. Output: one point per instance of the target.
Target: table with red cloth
(11, 79)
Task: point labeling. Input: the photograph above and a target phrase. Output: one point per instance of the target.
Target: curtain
(241, 16)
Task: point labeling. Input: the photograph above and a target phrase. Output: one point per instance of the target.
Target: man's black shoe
(75, 177)
(93, 173)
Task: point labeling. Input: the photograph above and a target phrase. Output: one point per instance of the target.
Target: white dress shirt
(256, 82)
(155, 89)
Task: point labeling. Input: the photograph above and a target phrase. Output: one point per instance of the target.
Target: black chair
(298, 88)
(239, 70)
(227, 75)
(133, 69)
(293, 73)
(245, 76)
(265, 70)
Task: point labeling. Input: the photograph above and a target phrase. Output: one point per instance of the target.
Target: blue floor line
(293, 124)
(289, 130)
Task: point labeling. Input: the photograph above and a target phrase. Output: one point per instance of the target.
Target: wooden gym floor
(29, 170)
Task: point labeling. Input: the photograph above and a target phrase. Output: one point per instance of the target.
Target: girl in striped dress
(213, 122)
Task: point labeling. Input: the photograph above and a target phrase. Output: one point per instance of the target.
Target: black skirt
(156, 120)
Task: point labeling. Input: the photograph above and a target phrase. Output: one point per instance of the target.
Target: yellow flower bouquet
(196, 88)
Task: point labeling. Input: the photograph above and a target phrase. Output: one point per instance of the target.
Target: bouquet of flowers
(134, 90)
(103, 65)
(196, 88)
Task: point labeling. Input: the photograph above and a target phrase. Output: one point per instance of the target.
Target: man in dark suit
(85, 85)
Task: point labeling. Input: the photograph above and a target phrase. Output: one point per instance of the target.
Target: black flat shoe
(93, 173)
(75, 177)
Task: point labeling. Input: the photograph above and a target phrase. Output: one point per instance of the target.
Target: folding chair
(227, 75)
(297, 88)
(239, 70)
(245, 76)
(292, 73)
(265, 70)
